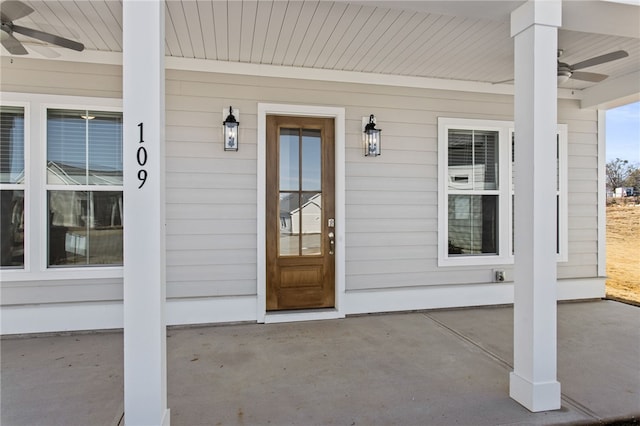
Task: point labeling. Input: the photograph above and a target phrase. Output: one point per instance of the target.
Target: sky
(623, 133)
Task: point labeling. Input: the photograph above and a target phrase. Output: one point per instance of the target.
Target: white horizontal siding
(60, 291)
(391, 201)
(60, 78)
(583, 190)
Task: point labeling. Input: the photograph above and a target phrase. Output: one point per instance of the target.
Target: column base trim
(535, 397)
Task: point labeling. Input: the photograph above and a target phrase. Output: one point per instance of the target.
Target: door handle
(332, 243)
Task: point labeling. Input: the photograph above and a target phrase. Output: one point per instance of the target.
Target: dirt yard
(623, 252)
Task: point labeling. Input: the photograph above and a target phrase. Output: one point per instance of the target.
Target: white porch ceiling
(456, 40)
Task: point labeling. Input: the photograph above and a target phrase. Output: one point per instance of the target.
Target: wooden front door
(300, 213)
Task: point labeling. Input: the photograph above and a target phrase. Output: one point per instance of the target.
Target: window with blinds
(472, 159)
(84, 187)
(84, 147)
(473, 200)
(476, 172)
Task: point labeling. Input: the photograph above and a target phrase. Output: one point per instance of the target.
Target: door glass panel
(300, 211)
(311, 160)
(311, 223)
(289, 159)
(289, 231)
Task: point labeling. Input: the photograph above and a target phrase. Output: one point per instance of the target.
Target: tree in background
(618, 174)
(633, 180)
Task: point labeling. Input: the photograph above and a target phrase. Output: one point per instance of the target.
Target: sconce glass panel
(372, 139)
(231, 127)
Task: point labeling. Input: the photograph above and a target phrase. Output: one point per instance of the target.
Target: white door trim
(338, 114)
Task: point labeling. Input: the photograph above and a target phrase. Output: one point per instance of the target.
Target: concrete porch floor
(448, 367)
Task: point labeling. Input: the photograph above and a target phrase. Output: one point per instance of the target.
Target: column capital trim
(536, 12)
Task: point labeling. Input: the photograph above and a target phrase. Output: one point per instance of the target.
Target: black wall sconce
(231, 126)
(372, 138)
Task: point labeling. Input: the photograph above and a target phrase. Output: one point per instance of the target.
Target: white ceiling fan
(11, 10)
(566, 71)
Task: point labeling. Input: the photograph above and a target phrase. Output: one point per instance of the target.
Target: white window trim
(35, 265)
(563, 171)
(505, 221)
(503, 257)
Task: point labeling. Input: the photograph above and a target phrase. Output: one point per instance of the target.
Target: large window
(476, 192)
(84, 187)
(473, 192)
(12, 186)
(61, 193)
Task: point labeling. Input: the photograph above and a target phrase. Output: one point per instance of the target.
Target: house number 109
(141, 156)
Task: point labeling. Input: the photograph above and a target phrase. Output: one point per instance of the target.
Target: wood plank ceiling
(335, 35)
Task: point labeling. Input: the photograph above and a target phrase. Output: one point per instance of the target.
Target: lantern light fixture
(372, 138)
(230, 128)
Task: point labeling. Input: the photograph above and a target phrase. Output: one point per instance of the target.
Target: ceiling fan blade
(588, 76)
(49, 38)
(13, 45)
(59, 30)
(11, 10)
(612, 56)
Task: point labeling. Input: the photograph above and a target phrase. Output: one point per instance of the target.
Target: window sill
(475, 261)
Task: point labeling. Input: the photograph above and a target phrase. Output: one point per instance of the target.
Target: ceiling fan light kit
(563, 76)
(11, 10)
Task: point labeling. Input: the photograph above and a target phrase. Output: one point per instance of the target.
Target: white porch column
(534, 26)
(145, 369)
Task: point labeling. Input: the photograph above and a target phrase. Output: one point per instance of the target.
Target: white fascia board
(602, 17)
(613, 93)
(260, 70)
(223, 67)
(86, 56)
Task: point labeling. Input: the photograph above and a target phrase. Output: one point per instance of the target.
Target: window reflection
(289, 241)
(300, 192)
(12, 228)
(473, 224)
(473, 160)
(84, 147)
(11, 145)
(300, 223)
(12, 174)
(289, 160)
(85, 228)
(311, 160)
(310, 214)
